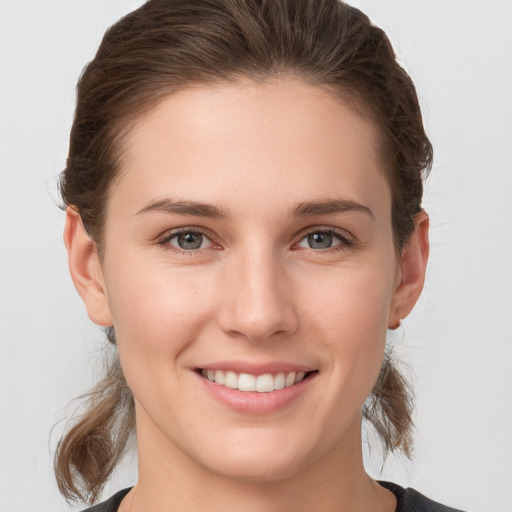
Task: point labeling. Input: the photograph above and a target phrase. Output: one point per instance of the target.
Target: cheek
(349, 312)
(157, 313)
(347, 300)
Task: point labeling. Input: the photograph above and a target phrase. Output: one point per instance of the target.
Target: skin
(255, 291)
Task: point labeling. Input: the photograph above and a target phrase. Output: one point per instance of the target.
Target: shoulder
(410, 500)
(111, 505)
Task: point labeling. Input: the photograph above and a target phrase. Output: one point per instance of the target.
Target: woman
(244, 217)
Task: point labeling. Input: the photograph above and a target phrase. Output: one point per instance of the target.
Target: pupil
(320, 240)
(190, 240)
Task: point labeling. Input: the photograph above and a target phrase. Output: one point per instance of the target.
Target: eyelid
(347, 240)
(164, 239)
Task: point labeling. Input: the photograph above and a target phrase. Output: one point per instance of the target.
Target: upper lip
(255, 368)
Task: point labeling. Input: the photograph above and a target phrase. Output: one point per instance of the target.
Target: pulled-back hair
(167, 45)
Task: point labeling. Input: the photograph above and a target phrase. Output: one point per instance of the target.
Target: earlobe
(85, 269)
(412, 270)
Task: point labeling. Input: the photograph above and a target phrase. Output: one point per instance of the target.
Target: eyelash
(346, 241)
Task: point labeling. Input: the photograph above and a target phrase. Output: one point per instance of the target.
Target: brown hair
(166, 45)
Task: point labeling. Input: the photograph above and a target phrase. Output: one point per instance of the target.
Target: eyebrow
(304, 209)
(183, 207)
(328, 206)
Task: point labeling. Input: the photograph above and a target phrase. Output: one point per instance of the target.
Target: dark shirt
(408, 500)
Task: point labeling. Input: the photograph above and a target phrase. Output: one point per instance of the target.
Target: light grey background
(458, 342)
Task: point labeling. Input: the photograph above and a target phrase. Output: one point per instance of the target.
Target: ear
(411, 272)
(85, 269)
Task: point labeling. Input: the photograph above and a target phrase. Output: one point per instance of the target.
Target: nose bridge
(258, 301)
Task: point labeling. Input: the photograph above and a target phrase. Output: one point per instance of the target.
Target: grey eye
(189, 240)
(320, 240)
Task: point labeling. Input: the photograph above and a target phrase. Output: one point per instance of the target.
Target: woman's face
(249, 241)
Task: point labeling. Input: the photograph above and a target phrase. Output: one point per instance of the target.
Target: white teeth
(290, 379)
(231, 380)
(246, 382)
(265, 383)
(219, 377)
(280, 381)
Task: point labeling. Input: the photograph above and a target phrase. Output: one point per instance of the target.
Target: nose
(257, 298)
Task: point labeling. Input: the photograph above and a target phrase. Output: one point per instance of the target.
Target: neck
(170, 480)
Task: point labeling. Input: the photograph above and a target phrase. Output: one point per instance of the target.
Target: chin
(251, 468)
(258, 458)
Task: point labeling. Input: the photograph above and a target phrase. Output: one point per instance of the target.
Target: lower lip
(252, 402)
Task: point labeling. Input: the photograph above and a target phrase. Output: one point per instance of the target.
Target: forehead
(241, 141)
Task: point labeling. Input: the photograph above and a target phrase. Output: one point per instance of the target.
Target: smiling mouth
(265, 383)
